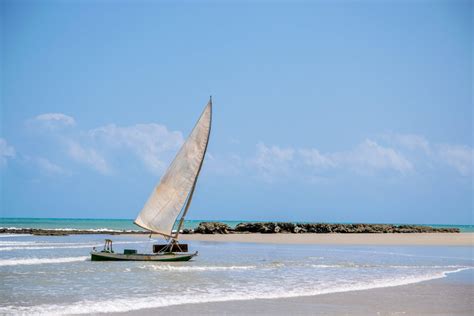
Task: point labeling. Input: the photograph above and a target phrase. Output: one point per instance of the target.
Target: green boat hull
(167, 257)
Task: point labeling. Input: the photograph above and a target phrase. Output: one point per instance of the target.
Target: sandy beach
(429, 239)
(453, 295)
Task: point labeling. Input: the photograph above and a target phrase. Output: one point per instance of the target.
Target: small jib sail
(173, 195)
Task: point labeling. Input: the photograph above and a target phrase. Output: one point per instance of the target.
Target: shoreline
(442, 296)
(387, 239)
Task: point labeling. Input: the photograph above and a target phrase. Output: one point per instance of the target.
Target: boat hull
(107, 256)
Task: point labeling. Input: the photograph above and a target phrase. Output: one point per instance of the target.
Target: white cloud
(366, 158)
(153, 145)
(149, 142)
(313, 158)
(49, 167)
(271, 161)
(458, 156)
(55, 120)
(369, 155)
(88, 156)
(410, 141)
(6, 152)
(223, 165)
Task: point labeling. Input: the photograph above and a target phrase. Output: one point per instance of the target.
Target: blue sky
(323, 110)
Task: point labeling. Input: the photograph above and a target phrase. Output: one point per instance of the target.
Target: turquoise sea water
(127, 224)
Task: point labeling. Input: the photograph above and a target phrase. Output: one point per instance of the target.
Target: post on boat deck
(108, 246)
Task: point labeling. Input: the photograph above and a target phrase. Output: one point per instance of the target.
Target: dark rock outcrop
(318, 228)
(212, 228)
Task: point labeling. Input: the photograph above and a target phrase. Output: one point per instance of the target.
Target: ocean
(127, 224)
(54, 274)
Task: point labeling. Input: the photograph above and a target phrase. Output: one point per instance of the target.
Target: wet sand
(453, 295)
(428, 239)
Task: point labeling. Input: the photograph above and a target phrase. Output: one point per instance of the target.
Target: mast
(190, 198)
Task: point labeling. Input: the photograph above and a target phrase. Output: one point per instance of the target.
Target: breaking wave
(195, 268)
(67, 229)
(358, 266)
(31, 261)
(19, 245)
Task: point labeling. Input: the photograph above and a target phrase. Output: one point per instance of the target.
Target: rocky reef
(256, 227)
(318, 228)
(209, 228)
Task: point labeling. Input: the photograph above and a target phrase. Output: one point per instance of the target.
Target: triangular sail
(167, 199)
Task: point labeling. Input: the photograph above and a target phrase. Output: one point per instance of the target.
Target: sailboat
(169, 200)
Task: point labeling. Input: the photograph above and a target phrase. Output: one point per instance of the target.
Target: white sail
(167, 199)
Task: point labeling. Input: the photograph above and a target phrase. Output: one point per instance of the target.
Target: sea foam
(32, 261)
(195, 268)
(69, 229)
(9, 246)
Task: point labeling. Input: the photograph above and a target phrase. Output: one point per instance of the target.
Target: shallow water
(54, 275)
